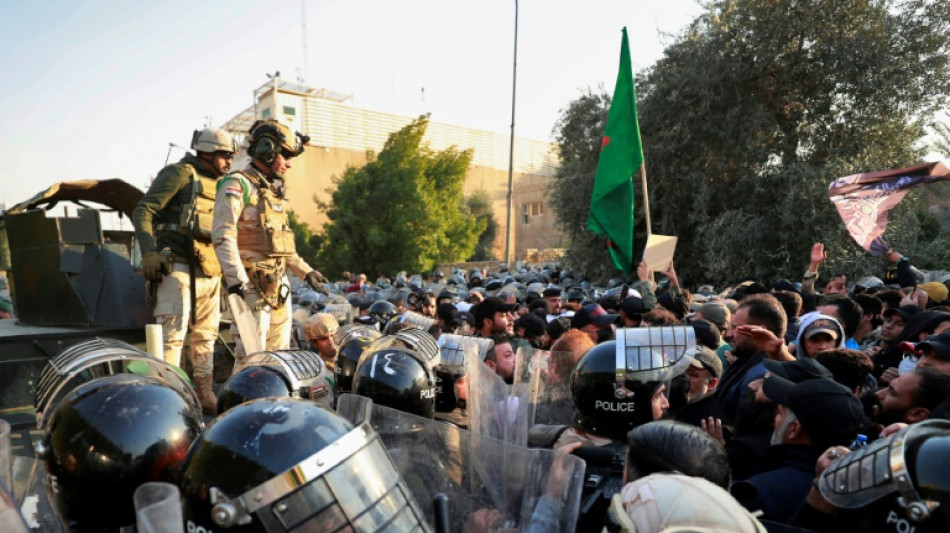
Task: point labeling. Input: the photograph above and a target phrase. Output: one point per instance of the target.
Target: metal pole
(511, 147)
(646, 196)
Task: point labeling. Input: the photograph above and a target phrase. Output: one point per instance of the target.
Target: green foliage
(757, 107)
(402, 210)
(941, 141)
(306, 242)
(478, 204)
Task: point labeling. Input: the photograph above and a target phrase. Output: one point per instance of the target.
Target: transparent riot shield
(496, 409)
(158, 508)
(456, 351)
(10, 519)
(31, 494)
(544, 378)
(530, 488)
(411, 319)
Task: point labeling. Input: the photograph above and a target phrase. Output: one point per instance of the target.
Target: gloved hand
(316, 280)
(153, 266)
(237, 289)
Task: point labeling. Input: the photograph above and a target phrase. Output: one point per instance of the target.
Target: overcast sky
(96, 89)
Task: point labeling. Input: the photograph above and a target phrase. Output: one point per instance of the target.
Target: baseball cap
(826, 409)
(716, 313)
(592, 314)
(822, 325)
(464, 316)
(702, 357)
(936, 291)
(905, 311)
(532, 323)
(488, 307)
(633, 306)
(798, 370)
(939, 343)
(706, 333)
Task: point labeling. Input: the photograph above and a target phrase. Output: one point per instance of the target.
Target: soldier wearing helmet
(173, 227)
(252, 235)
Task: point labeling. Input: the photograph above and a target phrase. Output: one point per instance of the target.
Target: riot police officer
(252, 235)
(173, 227)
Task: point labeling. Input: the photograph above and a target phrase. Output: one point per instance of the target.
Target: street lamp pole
(511, 147)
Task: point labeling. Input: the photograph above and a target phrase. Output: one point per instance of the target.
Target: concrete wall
(313, 173)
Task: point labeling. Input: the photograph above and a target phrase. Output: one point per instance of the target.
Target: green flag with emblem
(611, 204)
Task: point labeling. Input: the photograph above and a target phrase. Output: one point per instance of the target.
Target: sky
(97, 89)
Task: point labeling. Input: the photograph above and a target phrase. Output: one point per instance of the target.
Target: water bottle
(859, 442)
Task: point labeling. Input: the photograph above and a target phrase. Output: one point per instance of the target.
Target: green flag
(611, 204)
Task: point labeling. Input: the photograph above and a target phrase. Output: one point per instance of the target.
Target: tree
(479, 205)
(306, 242)
(402, 210)
(760, 104)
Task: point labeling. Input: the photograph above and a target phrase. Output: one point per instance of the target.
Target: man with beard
(492, 317)
(910, 398)
(760, 318)
(501, 357)
(811, 416)
(748, 449)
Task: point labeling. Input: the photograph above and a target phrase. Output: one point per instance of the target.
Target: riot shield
(99, 357)
(307, 375)
(456, 351)
(531, 488)
(411, 319)
(10, 519)
(31, 492)
(544, 378)
(496, 409)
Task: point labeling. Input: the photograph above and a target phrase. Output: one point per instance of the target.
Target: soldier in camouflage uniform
(173, 227)
(252, 234)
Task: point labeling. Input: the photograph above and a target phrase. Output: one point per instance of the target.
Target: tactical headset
(267, 140)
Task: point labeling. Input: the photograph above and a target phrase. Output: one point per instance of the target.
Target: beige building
(341, 136)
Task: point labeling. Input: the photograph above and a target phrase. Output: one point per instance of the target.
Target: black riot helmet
(284, 464)
(281, 374)
(909, 468)
(398, 378)
(382, 311)
(347, 360)
(107, 437)
(614, 383)
(251, 383)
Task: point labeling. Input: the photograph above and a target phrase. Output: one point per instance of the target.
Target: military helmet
(284, 464)
(107, 437)
(212, 140)
(269, 138)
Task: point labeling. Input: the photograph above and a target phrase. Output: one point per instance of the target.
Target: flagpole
(646, 196)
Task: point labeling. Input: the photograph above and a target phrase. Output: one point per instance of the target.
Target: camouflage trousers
(173, 312)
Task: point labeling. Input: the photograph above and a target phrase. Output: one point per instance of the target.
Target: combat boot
(209, 403)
